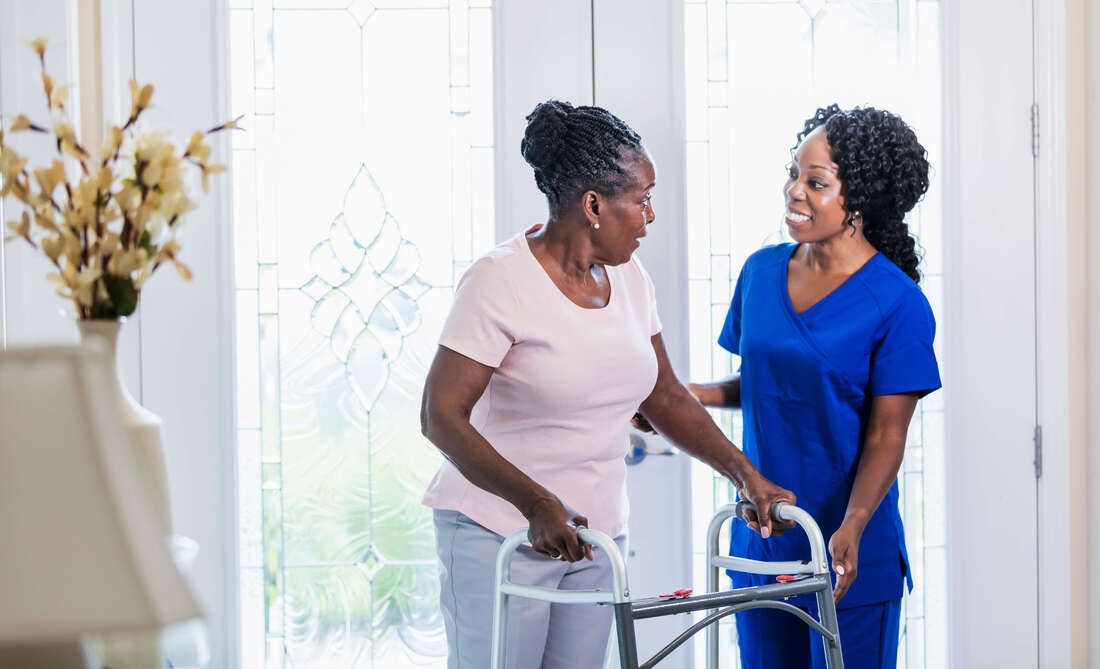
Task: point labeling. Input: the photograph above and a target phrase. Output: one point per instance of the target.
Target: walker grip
(778, 510)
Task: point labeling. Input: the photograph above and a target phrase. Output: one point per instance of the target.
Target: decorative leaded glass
(755, 69)
(362, 190)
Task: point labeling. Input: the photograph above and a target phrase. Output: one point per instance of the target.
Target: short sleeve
(478, 325)
(903, 360)
(730, 336)
(654, 319)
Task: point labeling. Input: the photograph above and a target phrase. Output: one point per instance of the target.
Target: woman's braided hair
(885, 173)
(574, 149)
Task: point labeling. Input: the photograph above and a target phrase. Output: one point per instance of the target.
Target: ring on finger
(555, 556)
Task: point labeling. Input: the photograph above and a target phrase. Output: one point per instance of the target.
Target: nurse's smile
(797, 220)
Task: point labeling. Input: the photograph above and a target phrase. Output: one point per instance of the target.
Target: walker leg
(628, 644)
(712, 630)
(826, 609)
(500, 629)
(713, 575)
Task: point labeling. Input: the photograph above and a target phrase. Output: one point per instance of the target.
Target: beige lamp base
(62, 655)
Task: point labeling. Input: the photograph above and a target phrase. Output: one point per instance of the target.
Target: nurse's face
(623, 217)
(815, 203)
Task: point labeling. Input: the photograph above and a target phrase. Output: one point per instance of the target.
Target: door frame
(1061, 331)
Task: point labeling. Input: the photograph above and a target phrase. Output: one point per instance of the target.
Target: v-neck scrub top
(807, 382)
(566, 381)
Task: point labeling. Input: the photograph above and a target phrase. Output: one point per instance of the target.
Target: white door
(990, 243)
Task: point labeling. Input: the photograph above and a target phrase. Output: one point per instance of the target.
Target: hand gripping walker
(814, 579)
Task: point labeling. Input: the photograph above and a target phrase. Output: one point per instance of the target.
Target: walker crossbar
(657, 607)
(731, 610)
(747, 566)
(718, 604)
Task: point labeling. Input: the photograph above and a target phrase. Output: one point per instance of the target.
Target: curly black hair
(884, 170)
(574, 149)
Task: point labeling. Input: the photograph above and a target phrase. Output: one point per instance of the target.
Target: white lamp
(81, 552)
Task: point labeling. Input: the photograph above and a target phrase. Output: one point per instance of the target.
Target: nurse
(835, 340)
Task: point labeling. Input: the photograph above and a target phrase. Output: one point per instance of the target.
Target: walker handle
(597, 539)
(784, 511)
(620, 591)
(817, 566)
(779, 511)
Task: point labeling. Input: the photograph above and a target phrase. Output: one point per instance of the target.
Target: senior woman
(552, 343)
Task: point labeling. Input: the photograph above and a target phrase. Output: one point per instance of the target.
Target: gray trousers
(540, 634)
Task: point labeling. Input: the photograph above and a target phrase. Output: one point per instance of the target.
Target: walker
(805, 577)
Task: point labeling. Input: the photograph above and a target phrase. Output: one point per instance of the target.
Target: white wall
(1089, 136)
(542, 50)
(31, 312)
(1077, 279)
(1061, 329)
(176, 355)
(187, 328)
(1082, 159)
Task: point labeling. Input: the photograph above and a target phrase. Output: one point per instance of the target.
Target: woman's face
(623, 218)
(815, 204)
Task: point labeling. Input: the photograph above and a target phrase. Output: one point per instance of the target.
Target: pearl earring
(595, 226)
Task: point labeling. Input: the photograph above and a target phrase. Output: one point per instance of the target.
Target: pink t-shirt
(567, 381)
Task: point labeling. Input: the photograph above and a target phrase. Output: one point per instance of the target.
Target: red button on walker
(679, 594)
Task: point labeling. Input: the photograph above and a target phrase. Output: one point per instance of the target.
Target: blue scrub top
(807, 381)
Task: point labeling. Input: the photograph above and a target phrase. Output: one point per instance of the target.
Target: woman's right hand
(553, 531)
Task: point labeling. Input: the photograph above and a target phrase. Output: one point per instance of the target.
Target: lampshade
(80, 548)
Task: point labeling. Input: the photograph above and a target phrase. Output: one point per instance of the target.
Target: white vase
(143, 426)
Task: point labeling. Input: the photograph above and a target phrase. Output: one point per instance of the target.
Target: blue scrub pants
(771, 639)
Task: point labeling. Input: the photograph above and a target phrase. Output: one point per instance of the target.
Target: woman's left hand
(844, 547)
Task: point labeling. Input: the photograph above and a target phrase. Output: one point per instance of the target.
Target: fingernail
(766, 532)
(840, 569)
